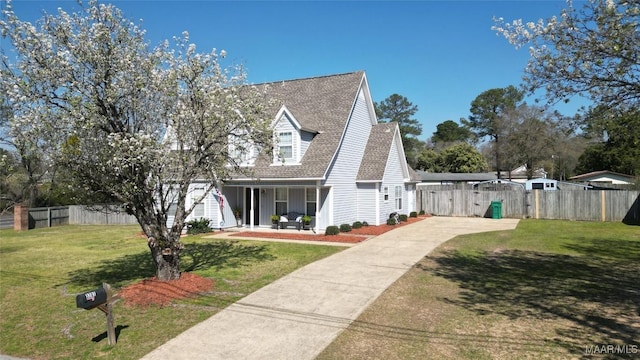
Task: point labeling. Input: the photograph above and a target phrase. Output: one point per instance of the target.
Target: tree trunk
(166, 256)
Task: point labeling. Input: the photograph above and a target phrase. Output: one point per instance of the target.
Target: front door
(256, 206)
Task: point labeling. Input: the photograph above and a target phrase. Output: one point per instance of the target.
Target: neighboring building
(603, 177)
(337, 163)
(428, 178)
(519, 174)
(541, 184)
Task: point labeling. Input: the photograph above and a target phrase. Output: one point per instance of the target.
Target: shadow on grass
(598, 292)
(104, 335)
(118, 272)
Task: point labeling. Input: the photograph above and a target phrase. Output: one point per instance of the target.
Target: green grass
(42, 270)
(548, 289)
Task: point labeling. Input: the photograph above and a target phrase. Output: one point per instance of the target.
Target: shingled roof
(377, 152)
(319, 103)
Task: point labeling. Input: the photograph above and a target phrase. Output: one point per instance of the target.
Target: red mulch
(153, 291)
(354, 236)
(302, 236)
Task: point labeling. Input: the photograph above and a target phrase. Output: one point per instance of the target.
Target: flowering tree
(592, 51)
(132, 123)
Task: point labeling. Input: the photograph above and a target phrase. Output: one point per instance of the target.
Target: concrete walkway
(297, 316)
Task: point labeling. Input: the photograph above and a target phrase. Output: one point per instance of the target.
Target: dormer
(291, 140)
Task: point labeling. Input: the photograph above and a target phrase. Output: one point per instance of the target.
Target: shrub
(345, 228)
(332, 230)
(364, 223)
(421, 212)
(413, 214)
(403, 217)
(198, 226)
(357, 225)
(394, 219)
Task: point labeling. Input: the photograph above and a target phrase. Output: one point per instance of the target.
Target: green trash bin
(496, 209)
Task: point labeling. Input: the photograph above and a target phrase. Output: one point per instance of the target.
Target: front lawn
(549, 289)
(42, 270)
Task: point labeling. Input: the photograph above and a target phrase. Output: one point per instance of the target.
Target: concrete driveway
(297, 316)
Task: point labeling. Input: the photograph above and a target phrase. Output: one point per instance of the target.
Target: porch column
(251, 212)
(317, 207)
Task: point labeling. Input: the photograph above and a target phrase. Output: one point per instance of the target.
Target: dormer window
(285, 145)
(290, 139)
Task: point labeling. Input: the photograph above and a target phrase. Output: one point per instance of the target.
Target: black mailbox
(92, 299)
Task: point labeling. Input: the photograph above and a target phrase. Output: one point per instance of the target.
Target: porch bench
(291, 219)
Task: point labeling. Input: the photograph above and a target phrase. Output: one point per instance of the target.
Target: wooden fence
(100, 215)
(48, 217)
(601, 205)
(74, 215)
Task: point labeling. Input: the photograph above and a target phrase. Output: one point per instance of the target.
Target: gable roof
(455, 177)
(377, 152)
(323, 104)
(600, 173)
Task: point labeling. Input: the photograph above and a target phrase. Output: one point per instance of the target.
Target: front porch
(253, 207)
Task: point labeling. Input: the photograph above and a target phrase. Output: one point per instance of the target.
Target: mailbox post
(103, 299)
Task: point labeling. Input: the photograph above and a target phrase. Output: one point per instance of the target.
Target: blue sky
(438, 54)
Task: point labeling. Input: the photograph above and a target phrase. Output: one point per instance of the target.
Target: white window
(311, 201)
(282, 199)
(386, 193)
(285, 145)
(242, 151)
(198, 210)
(398, 197)
(172, 200)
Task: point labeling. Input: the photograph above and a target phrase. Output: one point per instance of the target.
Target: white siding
(344, 170)
(393, 176)
(367, 202)
(325, 210)
(411, 198)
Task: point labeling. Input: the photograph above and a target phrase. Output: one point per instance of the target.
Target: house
(603, 177)
(429, 179)
(520, 174)
(337, 164)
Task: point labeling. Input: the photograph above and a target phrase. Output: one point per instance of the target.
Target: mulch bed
(302, 236)
(152, 291)
(354, 236)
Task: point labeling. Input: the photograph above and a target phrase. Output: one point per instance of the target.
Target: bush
(345, 228)
(357, 225)
(332, 230)
(421, 212)
(198, 226)
(413, 214)
(394, 219)
(403, 217)
(364, 223)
